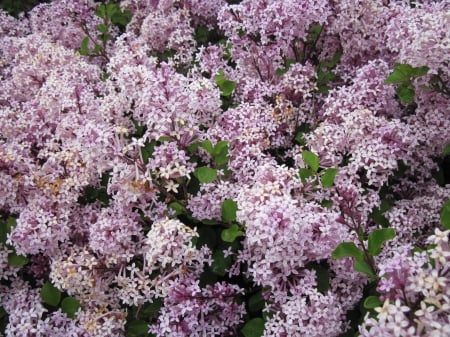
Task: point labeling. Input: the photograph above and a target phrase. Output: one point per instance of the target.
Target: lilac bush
(225, 168)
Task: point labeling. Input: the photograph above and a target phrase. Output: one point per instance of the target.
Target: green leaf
(97, 49)
(121, 18)
(419, 71)
(305, 173)
(253, 328)
(226, 86)
(163, 139)
(220, 263)
(100, 11)
(147, 151)
(385, 205)
(70, 306)
(220, 152)
(50, 295)
(219, 78)
(323, 278)
(363, 267)
(323, 77)
(311, 159)
(201, 34)
(207, 146)
(405, 93)
(207, 236)
(102, 28)
(299, 138)
(11, 222)
(281, 71)
(5, 228)
(401, 73)
(326, 203)
(256, 302)
(3, 232)
(330, 64)
(328, 176)
(446, 150)
(84, 49)
(177, 207)
(377, 238)
(232, 233)
(137, 328)
(445, 215)
(111, 9)
(347, 249)
(205, 174)
(287, 65)
(314, 33)
(372, 302)
(229, 208)
(151, 309)
(377, 216)
(17, 260)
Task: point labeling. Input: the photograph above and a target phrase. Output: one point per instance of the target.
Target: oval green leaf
(17, 260)
(50, 294)
(377, 238)
(347, 249)
(137, 328)
(229, 209)
(311, 159)
(445, 215)
(70, 306)
(372, 302)
(253, 328)
(406, 93)
(220, 263)
(205, 174)
(256, 302)
(328, 177)
(446, 150)
(231, 234)
(363, 267)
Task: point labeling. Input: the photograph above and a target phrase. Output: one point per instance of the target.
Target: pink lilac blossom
(283, 234)
(193, 311)
(169, 29)
(414, 219)
(208, 202)
(360, 26)
(63, 21)
(374, 144)
(115, 235)
(6, 271)
(367, 90)
(307, 314)
(27, 315)
(412, 278)
(419, 36)
(168, 253)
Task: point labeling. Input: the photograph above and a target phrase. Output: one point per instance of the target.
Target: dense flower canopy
(225, 168)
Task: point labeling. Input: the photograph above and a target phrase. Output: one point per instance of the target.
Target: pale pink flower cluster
(418, 286)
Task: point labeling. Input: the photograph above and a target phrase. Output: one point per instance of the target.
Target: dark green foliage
(15, 7)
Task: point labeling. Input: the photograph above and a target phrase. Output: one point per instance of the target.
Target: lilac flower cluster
(225, 168)
(418, 286)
